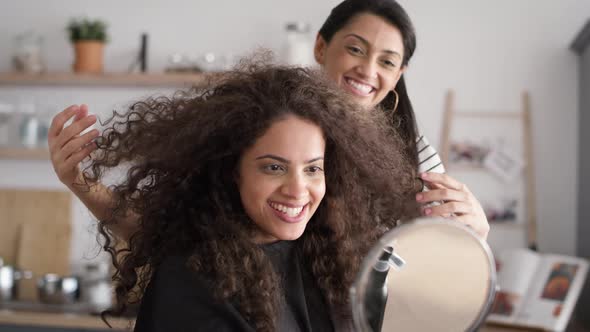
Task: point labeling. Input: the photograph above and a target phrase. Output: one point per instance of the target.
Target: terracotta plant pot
(89, 56)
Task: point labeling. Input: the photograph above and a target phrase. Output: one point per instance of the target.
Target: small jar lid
(297, 26)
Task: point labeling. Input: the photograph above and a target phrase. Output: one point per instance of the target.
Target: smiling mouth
(358, 88)
(289, 214)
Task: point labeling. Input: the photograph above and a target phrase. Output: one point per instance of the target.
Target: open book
(537, 290)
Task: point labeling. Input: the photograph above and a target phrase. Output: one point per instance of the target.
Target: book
(537, 290)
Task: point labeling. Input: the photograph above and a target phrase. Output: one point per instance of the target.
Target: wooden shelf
(24, 153)
(105, 79)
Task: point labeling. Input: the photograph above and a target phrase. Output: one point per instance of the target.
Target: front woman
(256, 197)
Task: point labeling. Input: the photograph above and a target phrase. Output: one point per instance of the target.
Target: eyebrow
(366, 42)
(283, 160)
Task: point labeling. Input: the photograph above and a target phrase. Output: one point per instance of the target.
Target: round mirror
(426, 275)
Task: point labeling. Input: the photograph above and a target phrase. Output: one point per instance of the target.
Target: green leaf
(86, 29)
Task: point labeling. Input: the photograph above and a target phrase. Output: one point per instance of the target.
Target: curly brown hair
(182, 153)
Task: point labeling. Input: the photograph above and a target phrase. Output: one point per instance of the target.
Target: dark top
(177, 300)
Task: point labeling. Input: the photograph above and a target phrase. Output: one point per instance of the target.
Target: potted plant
(88, 37)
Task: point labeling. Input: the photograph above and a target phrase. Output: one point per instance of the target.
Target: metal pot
(9, 277)
(54, 289)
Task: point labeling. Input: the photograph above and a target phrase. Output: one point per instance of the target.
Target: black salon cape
(177, 300)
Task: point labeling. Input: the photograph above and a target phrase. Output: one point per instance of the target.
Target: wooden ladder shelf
(524, 115)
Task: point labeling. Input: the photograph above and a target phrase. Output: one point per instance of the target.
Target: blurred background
(486, 53)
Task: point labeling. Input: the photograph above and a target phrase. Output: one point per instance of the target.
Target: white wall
(191, 26)
(488, 52)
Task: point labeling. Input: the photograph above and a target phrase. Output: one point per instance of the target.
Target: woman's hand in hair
(457, 202)
(67, 145)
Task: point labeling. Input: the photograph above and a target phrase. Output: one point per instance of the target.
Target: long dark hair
(403, 118)
(182, 154)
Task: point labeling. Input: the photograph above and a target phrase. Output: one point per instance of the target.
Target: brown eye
(314, 170)
(389, 63)
(273, 168)
(355, 50)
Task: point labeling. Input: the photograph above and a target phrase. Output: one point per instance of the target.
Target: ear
(399, 75)
(319, 49)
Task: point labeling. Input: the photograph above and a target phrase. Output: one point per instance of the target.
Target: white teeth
(363, 88)
(291, 212)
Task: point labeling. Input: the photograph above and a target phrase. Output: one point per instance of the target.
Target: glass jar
(6, 121)
(28, 53)
(45, 115)
(298, 48)
(97, 288)
(29, 128)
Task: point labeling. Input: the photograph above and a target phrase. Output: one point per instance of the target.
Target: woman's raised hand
(457, 202)
(67, 145)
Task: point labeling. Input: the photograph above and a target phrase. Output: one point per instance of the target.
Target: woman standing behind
(365, 47)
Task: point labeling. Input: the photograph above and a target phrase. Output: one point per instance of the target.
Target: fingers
(58, 136)
(61, 157)
(77, 157)
(458, 202)
(447, 209)
(73, 130)
(463, 213)
(481, 228)
(60, 120)
(77, 143)
(82, 112)
(440, 180)
(72, 164)
(442, 195)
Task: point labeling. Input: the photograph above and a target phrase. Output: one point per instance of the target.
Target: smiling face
(364, 58)
(281, 178)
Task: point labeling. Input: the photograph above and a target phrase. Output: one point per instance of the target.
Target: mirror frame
(357, 293)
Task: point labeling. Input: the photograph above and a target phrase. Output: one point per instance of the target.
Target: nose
(367, 68)
(295, 187)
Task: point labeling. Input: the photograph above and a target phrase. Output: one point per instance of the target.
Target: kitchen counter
(85, 321)
(61, 320)
(94, 323)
